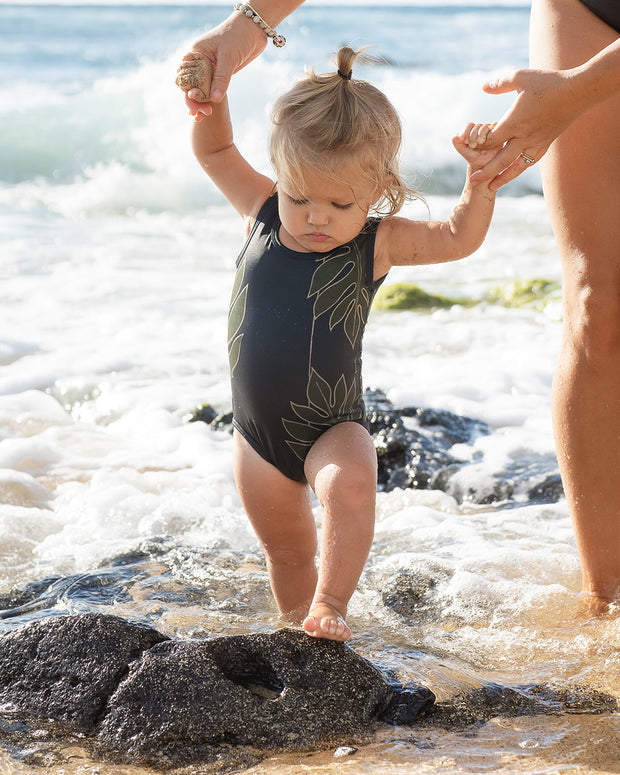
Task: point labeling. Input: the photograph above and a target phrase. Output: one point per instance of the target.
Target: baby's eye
(339, 206)
(297, 201)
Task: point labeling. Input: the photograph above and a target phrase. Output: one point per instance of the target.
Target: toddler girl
(311, 264)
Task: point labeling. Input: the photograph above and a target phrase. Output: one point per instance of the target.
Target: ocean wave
(109, 131)
(123, 143)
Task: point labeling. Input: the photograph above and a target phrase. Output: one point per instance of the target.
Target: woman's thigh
(581, 170)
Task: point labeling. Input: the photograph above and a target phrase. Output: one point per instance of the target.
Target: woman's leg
(581, 180)
(281, 515)
(342, 470)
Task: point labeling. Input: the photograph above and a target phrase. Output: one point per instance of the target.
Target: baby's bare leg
(194, 76)
(342, 470)
(281, 515)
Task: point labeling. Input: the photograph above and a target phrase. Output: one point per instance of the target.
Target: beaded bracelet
(247, 10)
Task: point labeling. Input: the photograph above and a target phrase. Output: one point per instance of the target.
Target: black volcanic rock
(65, 667)
(134, 695)
(142, 696)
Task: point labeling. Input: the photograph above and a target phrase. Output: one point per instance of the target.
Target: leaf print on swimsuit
(316, 416)
(338, 287)
(235, 317)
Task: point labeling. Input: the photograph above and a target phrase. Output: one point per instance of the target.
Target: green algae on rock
(537, 293)
(403, 296)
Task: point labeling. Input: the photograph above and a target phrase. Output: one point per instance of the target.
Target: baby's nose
(317, 216)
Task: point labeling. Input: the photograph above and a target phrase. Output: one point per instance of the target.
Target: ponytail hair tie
(346, 77)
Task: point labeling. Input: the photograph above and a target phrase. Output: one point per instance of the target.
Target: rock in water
(139, 696)
(279, 690)
(64, 668)
(416, 449)
(146, 697)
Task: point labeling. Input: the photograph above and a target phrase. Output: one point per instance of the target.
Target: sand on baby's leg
(341, 468)
(194, 76)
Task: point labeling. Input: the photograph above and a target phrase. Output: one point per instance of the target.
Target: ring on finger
(528, 159)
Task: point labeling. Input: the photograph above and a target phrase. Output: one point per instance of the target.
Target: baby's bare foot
(324, 621)
(194, 76)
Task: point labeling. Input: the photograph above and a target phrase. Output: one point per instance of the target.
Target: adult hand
(229, 47)
(545, 105)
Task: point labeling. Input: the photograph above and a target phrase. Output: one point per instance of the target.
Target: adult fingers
(501, 85)
(502, 161)
(499, 173)
(510, 173)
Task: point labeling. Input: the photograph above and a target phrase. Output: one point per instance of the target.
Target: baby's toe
(326, 622)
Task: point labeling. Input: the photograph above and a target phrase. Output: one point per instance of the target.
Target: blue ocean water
(83, 85)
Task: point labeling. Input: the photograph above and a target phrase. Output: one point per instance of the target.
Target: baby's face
(329, 213)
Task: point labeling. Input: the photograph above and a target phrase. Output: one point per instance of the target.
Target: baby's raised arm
(212, 143)
(402, 242)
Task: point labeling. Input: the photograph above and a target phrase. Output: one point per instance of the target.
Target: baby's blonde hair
(329, 121)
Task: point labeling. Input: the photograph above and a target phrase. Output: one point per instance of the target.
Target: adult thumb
(220, 80)
(501, 85)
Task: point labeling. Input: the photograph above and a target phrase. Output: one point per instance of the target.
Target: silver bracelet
(247, 10)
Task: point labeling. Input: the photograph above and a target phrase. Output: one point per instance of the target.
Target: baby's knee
(353, 486)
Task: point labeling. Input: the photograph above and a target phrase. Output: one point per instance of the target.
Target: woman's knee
(592, 320)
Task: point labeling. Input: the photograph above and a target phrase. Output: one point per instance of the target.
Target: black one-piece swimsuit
(295, 328)
(606, 10)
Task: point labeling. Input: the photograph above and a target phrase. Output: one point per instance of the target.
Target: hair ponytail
(344, 61)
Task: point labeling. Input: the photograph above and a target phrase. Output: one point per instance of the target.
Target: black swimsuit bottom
(606, 10)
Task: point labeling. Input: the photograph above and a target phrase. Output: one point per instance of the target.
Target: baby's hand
(194, 78)
(470, 144)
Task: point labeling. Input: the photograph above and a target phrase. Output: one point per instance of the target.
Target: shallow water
(97, 460)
